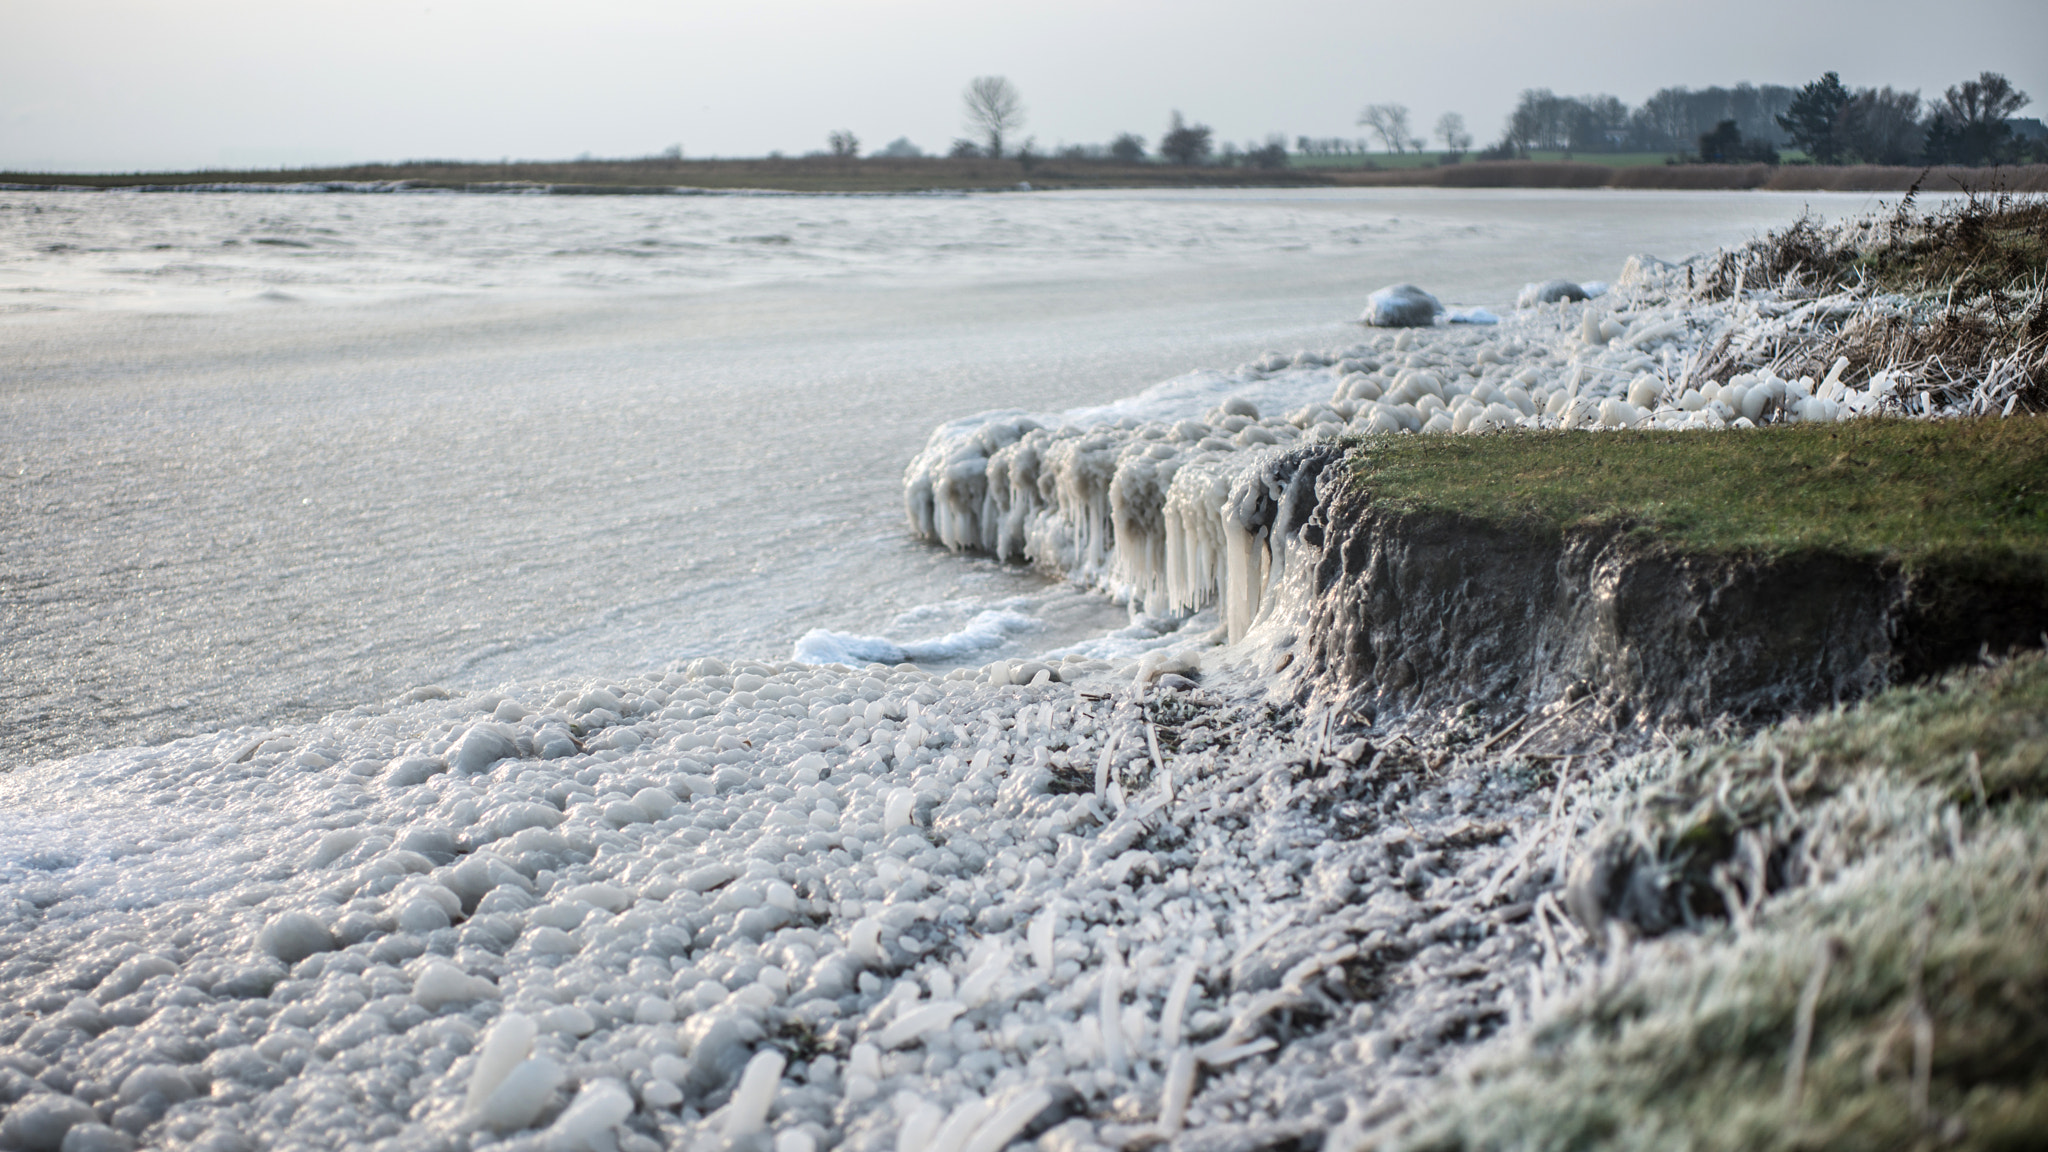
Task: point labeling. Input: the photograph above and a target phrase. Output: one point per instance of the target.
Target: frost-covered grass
(1984, 245)
(1956, 495)
(1882, 982)
(1953, 299)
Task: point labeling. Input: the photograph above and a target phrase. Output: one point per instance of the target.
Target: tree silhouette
(1185, 143)
(1450, 128)
(1390, 123)
(1814, 121)
(994, 109)
(1969, 123)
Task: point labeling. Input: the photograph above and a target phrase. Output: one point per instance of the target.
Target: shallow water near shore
(267, 457)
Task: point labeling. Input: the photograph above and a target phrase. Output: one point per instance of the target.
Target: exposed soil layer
(1427, 609)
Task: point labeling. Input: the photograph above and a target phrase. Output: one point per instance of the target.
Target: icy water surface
(268, 456)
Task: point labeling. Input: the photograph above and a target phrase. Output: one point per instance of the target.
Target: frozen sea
(265, 457)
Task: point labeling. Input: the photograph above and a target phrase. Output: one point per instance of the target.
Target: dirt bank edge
(1410, 610)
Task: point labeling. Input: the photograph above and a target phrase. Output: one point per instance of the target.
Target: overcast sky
(156, 84)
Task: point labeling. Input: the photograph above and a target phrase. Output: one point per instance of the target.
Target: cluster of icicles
(1175, 511)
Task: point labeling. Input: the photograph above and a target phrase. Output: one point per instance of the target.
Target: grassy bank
(881, 174)
(1880, 981)
(1958, 496)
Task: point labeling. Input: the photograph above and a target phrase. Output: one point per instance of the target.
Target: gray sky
(152, 84)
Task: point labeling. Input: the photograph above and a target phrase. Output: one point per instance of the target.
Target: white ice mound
(1470, 316)
(1551, 292)
(989, 629)
(1401, 306)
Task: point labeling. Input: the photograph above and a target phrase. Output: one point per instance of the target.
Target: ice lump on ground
(1401, 306)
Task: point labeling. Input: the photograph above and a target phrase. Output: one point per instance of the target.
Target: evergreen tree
(1723, 145)
(1814, 121)
(1185, 143)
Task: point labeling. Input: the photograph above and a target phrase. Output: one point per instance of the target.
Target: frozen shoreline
(809, 907)
(928, 894)
(1179, 498)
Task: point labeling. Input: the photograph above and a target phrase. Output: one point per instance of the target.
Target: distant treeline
(666, 176)
(2024, 179)
(1971, 124)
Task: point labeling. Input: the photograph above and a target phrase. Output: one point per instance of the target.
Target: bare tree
(1988, 99)
(994, 109)
(1450, 128)
(844, 144)
(1390, 123)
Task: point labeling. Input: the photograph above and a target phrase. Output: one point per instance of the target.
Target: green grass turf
(1967, 498)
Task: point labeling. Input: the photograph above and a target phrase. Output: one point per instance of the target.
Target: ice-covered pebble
(1401, 306)
(163, 1081)
(920, 1021)
(40, 1122)
(586, 1124)
(519, 1099)
(748, 1109)
(293, 936)
(504, 1047)
(1550, 292)
(483, 745)
(440, 983)
(96, 1137)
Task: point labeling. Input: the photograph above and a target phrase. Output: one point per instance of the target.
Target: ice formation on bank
(1180, 498)
(773, 906)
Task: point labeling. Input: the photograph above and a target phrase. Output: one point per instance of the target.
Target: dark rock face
(1432, 610)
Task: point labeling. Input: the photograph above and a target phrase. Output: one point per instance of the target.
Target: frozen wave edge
(1184, 498)
(992, 628)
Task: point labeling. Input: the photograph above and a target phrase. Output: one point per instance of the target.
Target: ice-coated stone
(1401, 306)
(294, 936)
(600, 1106)
(518, 1101)
(750, 1101)
(421, 915)
(156, 1079)
(1550, 292)
(407, 771)
(219, 1139)
(482, 746)
(441, 983)
(130, 974)
(39, 1123)
(504, 1047)
(96, 1137)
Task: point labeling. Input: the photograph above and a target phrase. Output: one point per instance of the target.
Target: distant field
(1392, 162)
(827, 174)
